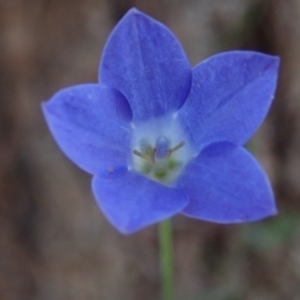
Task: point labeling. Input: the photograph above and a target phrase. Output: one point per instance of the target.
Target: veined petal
(90, 124)
(144, 61)
(230, 96)
(132, 202)
(226, 185)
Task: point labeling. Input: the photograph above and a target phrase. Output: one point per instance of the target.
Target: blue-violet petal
(230, 96)
(144, 61)
(132, 202)
(91, 125)
(226, 185)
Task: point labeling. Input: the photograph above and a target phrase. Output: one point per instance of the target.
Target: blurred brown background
(54, 242)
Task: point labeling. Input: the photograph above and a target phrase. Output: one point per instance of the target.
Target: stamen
(138, 153)
(145, 147)
(152, 155)
(181, 144)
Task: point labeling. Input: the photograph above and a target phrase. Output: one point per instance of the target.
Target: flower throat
(158, 162)
(160, 149)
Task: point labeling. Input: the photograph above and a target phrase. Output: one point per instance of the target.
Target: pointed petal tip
(43, 106)
(128, 230)
(134, 12)
(274, 62)
(245, 218)
(273, 212)
(136, 16)
(46, 109)
(271, 63)
(276, 59)
(267, 214)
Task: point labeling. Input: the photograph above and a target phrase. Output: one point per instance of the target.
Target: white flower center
(160, 149)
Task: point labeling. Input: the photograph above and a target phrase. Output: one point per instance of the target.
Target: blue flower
(161, 138)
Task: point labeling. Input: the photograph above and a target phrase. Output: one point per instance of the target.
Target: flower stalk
(166, 259)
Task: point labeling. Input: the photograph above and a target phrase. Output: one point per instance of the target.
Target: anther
(181, 144)
(138, 153)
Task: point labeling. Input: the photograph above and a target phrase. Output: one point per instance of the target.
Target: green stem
(166, 259)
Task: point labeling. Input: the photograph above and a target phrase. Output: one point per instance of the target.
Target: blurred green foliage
(270, 234)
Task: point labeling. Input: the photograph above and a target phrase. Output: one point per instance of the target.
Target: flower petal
(230, 96)
(226, 185)
(144, 61)
(132, 202)
(90, 123)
